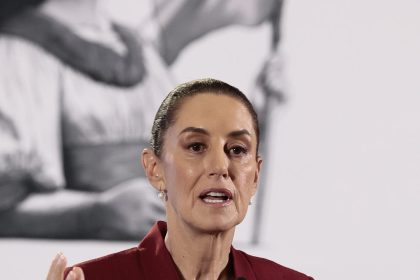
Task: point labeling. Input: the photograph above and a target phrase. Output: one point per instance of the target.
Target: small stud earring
(162, 195)
(250, 202)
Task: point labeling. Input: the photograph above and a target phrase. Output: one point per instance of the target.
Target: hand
(269, 86)
(271, 77)
(58, 266)
(127, 211)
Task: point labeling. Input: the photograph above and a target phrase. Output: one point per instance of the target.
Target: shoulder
(120, 265)
(267, 269)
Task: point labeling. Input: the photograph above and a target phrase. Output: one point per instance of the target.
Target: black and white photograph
(335, 88)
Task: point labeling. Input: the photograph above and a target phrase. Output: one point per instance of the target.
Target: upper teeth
(216, 194)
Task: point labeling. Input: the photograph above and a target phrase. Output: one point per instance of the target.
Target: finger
(52, 269)
(57, 267)
(79, 273)
(75, 274)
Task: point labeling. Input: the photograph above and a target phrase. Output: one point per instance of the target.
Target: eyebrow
(236, 133)
(195, 129)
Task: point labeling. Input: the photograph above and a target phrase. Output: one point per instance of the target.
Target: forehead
(217, 111)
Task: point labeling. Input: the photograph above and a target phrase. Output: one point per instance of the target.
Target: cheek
(180, 176)
(244, 179)
(183, 175)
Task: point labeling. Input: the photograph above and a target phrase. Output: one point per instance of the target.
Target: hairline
(218, 92)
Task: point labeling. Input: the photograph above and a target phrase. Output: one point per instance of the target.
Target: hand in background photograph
(127, 211)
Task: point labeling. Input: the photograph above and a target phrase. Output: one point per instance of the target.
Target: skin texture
(212, 144)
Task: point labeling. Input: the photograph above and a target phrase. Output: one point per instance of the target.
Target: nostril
(221, 174)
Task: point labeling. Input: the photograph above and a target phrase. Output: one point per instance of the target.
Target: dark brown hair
(166, 114)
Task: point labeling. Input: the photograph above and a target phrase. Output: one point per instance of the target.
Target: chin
(217, 224)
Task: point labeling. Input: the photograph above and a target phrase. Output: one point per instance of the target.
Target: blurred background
(342, 188)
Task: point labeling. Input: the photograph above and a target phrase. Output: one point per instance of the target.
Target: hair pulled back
(167, 111)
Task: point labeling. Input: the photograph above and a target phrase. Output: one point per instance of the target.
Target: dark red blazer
(151, 260)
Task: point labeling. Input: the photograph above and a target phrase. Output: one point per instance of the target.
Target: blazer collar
(156, 262)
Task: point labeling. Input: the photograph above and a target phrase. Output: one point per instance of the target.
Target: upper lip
(227, 192)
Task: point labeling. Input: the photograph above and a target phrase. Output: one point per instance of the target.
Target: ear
(257, 174)
(152, 168)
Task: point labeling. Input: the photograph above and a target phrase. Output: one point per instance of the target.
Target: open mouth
(221, 196)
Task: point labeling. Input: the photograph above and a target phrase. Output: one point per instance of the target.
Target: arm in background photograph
(78, 214)
(183, 21)
(13, 189)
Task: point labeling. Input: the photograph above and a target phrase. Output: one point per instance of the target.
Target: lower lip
(217, 203)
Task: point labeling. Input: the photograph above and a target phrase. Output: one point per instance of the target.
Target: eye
(237, 151)
(196, 147)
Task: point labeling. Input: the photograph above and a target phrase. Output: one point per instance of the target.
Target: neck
(76, 12)
(199, 255)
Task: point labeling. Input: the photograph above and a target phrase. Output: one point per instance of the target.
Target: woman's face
(209, 163)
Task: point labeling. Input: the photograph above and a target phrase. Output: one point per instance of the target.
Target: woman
(204, 163)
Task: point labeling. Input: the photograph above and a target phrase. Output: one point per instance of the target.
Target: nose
(218, 164)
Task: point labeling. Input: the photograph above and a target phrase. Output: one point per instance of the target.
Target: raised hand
(57, 267)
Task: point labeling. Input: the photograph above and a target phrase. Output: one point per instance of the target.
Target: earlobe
(151, 168)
